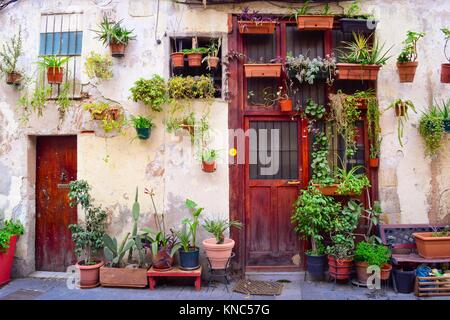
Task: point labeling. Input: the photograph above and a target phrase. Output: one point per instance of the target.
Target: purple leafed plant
(247, 15)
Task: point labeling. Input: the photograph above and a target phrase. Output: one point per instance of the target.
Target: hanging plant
(34, 102)
(306, 70)
(54, 66)
(431, 128)
(252, 22)
(355, 21)
(151, 92)
(98, 66)
(445, 68)
(143, 126)
(9, 56)
(401, 112)
(113, 34)
(407, 60)
(320, 168)
(313, 21)
(110, 116)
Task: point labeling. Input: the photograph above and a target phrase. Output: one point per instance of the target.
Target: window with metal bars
(62, 35)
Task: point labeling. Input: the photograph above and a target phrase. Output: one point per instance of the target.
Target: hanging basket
(407, 71)
(264, 70)
(353, 71)
(256, 27)
(315, 22)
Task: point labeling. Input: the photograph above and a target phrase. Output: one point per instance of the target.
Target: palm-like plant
(217, 227)
(54, 61)
(360, 51)
(113, 32)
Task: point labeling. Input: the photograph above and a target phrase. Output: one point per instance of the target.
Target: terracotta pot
(407, 71)
(209, 166)
(213, 62)
(123, 277)
(262, 70)
(330, 190)
(218, 254)
(400, 111)
(194, 59)
(177, 59)
(445, 73)
(361, 103)
(114, 113)
(385, 271)
(55, 75)
(256, 27)
(6, 261)
(353, 71)
(286, 105)
(13, 78)
(361, 271)
(340, 269)
(162, 261)
(432, 247)
(89, 275)
(117, 49)
(374, 162)
(189, 128)
(315, 22)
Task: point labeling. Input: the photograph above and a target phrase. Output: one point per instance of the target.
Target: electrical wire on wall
(157, 40)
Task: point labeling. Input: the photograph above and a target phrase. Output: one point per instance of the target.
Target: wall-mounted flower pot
(340, 269)
(361, 103)
(6, 261)
(330, 190)
(400, 111)
(213, 62)
(374, 162)
(407, 71)
(262, 70)
(315, 22)
(188, 127)
(315, 265)
(89, 274)
(162, 261)
(446, 125)
(256, 27)
(55, 75)
(209, 166)
(431, 247)
(286, 105)
(404, 280)
(445, 73)
(358, 25)
(13, 78)
(194, 59)
(352, 71)
(177, 59)
(143, 133)
(117, 49)
(123, 277)
(218, 254)
(189, 260)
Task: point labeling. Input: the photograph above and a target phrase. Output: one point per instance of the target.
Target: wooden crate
(432, 286)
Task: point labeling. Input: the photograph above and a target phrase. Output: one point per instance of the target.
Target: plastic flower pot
(407, 71)
(431, 247)
(117, 49)
(315, 22)
(404, 280)
(143, 133)
(123, 277)
(213, 62)
(374, 162)
(177, 59)
(218, 254)
(256, 27)
(55, 75)
(446, 125)
(189, 260)
(353, 71)
(315, 265)
(340, 269)
(162, 261)
(358, 25)
(445, 73)
(262, 70)
(209, 166)
(6, 261)
(286, 105)
(13, 78)
(89, 274)
(194, 59)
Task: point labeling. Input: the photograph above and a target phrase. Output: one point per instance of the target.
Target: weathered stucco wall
(410, 184)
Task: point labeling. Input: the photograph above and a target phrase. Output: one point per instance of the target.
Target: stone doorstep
(274, 276)
(48, 275)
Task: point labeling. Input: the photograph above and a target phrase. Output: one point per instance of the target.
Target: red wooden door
(56, 166)
(274, 175)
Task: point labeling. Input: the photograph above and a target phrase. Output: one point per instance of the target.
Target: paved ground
(56, 289)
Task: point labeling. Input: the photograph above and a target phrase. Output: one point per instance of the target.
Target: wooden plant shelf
(256, 27)
(175, 272)
(432, 286)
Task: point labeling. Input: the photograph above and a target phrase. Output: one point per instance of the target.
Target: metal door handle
(294, 182)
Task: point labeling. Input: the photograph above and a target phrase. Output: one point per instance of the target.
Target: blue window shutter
(61, 43)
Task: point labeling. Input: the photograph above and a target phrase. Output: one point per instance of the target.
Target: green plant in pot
(9, 232)
(350, 181)
(407, 60)
(445, 114)
(312, 217)
(151, 92)
(218, 249)
(9, 56)
(87, 235)
(54, 67)
(401, 108)
(98, 66)
(445, 67)
(115, 35)
(307, 70)
(307, 20)
(143, 126)
(369, 254)
(355, 21)
(431, 129)
(195, 55)
(209, 157)
(212, 59)
(189, 252)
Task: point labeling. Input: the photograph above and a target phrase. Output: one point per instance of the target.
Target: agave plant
(360, 51)
(113, 32)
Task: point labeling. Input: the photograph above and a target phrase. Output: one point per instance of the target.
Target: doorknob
(294, 182)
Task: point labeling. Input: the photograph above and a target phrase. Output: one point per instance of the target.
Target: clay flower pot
(340, 269)
(213, 62)
(194, 59)
(431, 247)
(445, 73)
(13, 78)
(315, 22)
(374, 162)
(6, 261)
(262, 70)
(55, 75)
(286, 105)
(385, 271)
(117, 49)
(407, 71)
(353, 71)
(89, 274)
(361, 271)
(361, 103)
(209, 166)
(256, 27)
(177, 59)
(162, 261)
(218, 254)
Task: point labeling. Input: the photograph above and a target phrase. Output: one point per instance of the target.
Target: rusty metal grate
(259, 288)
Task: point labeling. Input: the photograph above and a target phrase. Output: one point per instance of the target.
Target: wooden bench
(174, 272)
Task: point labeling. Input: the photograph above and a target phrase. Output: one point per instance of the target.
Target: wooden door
(56, 166)
(274, 176)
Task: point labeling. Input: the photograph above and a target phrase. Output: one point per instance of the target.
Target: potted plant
(433, 245)
(445, 114)
(212, 59)
(313, 21)
(260, 69)
(98, 66)
(54, 67)
(9, 55)
(321, 177)
(401, 112)
(113, 34)
(143, 126)
(111, 117)
(350, 182)
(307, 70)
(252, 22)
(407, 60)
(87, 235)
(209, 157)
(195, 55)
(189, 252)
(360, 60)
(314, 111)
(431, 129)
(151, 92)
(117, 273)
(372, 254)
(445, 67)
(9, 233)
(312, 218)
(355, 21)
(374, 154)
(218, 249)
